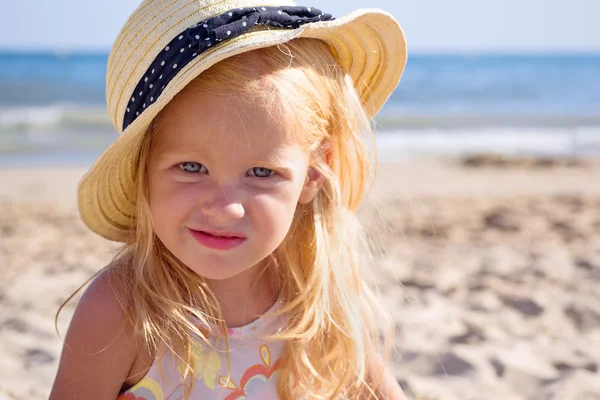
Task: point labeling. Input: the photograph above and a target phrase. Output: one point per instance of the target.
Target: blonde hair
(335, 327)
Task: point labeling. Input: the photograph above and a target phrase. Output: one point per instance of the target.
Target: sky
(429, 25)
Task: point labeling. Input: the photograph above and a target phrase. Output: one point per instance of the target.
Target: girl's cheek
(172, 199)
(187, 192)
(272, 212)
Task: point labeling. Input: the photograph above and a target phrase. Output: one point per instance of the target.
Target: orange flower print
(258, 382)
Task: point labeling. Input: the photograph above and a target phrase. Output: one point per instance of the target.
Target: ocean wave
(73, 118)
(393, 119)
(579, 141)
(59, 118)
(74, 128)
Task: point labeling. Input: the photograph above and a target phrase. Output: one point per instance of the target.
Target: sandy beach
(490, 266)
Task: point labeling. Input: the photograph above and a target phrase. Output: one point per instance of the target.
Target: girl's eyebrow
(278, 161)
(181, 154)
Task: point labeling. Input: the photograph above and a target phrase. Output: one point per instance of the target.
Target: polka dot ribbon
(202, 36)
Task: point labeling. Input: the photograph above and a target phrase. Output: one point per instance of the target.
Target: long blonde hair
(335, 328)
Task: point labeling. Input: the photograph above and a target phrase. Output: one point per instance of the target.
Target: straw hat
(165, 44)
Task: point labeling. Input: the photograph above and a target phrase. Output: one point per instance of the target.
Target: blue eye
(261, 172)
(192, 167)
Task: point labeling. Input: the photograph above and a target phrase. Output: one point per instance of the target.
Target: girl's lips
(218, 240)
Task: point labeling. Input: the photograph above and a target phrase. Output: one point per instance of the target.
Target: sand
(490, 267)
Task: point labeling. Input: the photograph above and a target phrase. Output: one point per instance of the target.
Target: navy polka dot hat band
(200, 37)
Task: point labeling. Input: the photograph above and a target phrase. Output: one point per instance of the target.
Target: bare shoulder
(389, 388)
(100, 347)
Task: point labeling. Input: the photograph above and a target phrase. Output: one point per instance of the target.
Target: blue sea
(53, 110)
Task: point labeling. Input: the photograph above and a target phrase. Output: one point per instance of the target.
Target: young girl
(234, 187)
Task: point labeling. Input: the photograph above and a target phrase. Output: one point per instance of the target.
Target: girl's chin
(218, 269)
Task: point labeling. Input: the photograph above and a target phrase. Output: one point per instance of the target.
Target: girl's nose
(223, 207)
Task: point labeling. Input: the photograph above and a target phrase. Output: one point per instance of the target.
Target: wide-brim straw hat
(368, 44)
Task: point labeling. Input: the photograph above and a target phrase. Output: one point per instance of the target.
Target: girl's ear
(314, 178)
(312, 185)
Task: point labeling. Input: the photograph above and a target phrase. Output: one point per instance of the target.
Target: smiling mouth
(218, 240)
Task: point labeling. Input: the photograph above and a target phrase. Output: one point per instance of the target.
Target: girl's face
(225, 177)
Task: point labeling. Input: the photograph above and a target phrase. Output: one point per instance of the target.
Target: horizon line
(59, 51)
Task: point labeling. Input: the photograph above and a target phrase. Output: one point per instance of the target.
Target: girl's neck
(245, 297)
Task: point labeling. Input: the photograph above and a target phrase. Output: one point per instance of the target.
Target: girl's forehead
(195, 119)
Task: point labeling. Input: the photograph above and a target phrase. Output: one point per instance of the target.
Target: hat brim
(368, 44)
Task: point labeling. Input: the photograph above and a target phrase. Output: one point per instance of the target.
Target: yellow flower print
(206, 363)
(146, 389)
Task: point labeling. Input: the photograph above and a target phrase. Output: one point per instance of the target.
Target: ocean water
(52, 106)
